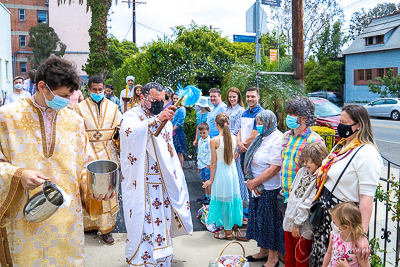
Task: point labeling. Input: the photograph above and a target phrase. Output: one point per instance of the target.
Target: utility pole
(298, 41)
(134, 3)
(258, 31)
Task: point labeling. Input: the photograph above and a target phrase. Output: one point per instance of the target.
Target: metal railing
(386, 233)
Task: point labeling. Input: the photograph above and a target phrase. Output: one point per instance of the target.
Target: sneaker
(202, 198)
(206, 201)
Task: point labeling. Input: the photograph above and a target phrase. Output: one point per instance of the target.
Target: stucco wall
(390, 58)
(71, 23)
(5, 50)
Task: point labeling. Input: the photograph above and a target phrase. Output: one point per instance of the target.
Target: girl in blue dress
(226, 204)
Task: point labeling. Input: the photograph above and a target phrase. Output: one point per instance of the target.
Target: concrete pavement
(189, 251)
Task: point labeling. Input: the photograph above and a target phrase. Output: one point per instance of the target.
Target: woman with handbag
(262, 166)
(351, 172)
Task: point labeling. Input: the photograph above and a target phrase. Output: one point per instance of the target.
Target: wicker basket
(246, 264)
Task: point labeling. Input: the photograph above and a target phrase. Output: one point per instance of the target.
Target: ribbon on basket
(233, 260)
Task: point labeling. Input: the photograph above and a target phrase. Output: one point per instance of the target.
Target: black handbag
(318, 207)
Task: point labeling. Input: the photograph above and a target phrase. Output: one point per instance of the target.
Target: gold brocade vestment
(100, 126)
(59, 240)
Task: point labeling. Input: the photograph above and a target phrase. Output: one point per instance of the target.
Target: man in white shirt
(128, 91)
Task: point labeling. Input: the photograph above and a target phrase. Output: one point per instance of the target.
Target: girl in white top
(18, 93)
(359, 181)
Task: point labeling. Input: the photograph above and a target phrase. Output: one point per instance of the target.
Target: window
(21, 14)
(390, 102)
(22, 41)
(22, 67)
(369, 41)
(368, 74)
(7, 71)
(361, 75)
(42, 16)
(364, 76)
(380, 39)
(381, 73)
(378, 102)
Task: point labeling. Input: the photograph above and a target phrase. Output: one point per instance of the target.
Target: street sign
(271, 2)
(273, 55)
(244, 38)
(251, 20)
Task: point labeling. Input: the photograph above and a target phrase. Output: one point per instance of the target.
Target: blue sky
(156, 17)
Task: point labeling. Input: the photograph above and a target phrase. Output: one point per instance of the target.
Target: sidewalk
(189, 251)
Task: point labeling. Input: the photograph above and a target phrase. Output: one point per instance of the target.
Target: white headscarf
(129, 78)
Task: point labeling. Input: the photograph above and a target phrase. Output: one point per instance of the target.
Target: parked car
(334, 97)
(328, 114)
(384, 107)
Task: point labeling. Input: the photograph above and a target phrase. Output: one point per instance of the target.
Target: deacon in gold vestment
(40, 139)
(101, 116)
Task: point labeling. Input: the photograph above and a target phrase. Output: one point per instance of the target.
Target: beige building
(71, 23)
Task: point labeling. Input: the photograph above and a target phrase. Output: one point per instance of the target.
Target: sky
(157, 17)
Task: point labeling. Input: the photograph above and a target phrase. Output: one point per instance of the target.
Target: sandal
(221, 235)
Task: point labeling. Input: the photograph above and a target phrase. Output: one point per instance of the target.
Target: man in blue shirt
(248, 130)
(219, 107)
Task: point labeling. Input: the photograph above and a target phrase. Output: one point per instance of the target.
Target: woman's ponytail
(222, 120)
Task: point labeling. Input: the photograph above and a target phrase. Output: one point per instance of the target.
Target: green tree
(329, 43)
(361, 19)
(388, 86)
(44, 41)
(321, 77)
(98, 62)
(119, 51)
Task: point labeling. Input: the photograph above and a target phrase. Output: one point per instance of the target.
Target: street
(387, 132)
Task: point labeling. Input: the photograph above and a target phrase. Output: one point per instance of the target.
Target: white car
(384, 107)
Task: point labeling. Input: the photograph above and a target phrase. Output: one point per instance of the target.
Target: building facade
(71, 23)
(6, 76)
(375, 51)
(24, 15)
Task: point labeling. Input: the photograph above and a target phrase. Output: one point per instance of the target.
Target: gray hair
(152, 85)
(302, 107)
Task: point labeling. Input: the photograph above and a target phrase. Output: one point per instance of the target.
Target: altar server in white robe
(154, 191)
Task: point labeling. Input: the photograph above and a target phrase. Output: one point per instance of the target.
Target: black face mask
(345, 131)
(108, 96)
(156, 107)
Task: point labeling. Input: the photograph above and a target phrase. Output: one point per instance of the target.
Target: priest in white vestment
(154, 191)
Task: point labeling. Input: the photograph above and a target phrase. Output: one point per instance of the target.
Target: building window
(42, 16)
(7, 71)
(21, 14)
(369, 41)
(368, 74)
(361, 75)
(22, 67)
(364, 76)
(381, 73)
(22, 41)
(380, 39)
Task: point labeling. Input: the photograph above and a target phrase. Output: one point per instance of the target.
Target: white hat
(203, 102)
(129, 78)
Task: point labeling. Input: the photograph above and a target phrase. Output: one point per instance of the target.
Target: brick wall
(18, 27)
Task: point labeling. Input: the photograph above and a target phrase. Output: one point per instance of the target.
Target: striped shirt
(291, 151)
(235, 116)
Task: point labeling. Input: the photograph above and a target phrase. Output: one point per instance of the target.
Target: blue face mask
(291, 122)
(260, 128)
(58, 102)
(97, 97)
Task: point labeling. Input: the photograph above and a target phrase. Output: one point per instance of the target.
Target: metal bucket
(102, 177)
(45, 203)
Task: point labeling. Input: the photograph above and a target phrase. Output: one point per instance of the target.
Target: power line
(128, 30)
(152, 28)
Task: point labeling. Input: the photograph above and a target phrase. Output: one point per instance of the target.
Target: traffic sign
(251, 22)
(244, 38)
(271, 2)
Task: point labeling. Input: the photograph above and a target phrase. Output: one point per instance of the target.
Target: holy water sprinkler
(188, 96)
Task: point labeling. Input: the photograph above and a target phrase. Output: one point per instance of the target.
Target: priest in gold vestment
(42, 140)
(101, 116)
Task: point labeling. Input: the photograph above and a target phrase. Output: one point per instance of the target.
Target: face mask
(260, 128)
(156, 107)
(345, 131)
(130, 86)
(335, 228)
(58, 102)
(18, 86)
(291, 122)
(108, 96)
(97, 97)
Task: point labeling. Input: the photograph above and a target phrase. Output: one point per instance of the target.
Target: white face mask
(335, 228)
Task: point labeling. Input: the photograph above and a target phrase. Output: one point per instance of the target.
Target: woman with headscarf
(262, 165)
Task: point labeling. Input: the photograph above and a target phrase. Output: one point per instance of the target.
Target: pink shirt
(77, 95)
(342, 249)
